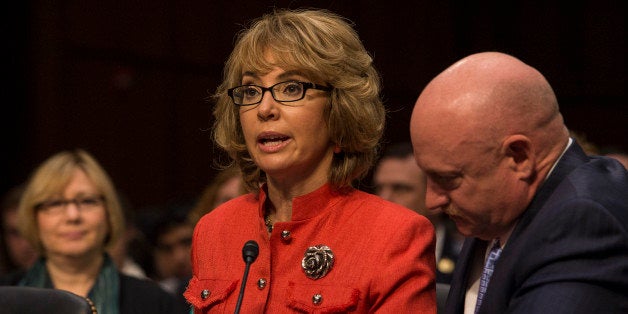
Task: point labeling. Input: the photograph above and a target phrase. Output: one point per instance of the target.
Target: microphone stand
(249, 254)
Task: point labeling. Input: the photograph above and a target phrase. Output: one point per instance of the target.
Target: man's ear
(518, 148)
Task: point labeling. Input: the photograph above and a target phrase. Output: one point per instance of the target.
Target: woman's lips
(270, 142)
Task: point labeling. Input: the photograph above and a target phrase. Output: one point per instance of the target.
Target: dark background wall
(128, 80)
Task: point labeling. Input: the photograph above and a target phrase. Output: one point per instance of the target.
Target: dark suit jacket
(452, 243)
(569, 250)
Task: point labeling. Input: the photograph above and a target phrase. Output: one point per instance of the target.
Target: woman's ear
(518, 148)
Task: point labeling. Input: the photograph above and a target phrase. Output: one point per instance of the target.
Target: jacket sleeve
(577, 266)
(405, 281)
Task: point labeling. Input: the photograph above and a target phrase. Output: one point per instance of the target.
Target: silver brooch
(317, 261)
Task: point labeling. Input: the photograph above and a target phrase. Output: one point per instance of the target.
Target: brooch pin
(317, 261)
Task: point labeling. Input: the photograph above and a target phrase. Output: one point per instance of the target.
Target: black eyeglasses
(56, 207)
(246, 95)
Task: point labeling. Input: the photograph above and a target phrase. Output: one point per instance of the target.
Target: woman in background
(70, 213)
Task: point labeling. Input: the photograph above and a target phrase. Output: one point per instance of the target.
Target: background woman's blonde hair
(49, 181)
(325, 48)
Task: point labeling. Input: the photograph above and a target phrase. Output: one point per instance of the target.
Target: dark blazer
(137, 296)
(569, 250)
(452, 243)
(140, 296)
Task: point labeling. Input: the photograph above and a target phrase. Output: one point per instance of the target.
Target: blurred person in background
(588, 147)
(618, 155)
(16, 253)
(71, 214)
(398, 179)
(169, 234)
(227, 184)
(128, 252)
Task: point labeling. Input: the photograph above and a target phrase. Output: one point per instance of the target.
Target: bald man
(499, 161)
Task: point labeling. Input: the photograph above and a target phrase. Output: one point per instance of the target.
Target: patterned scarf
(105, 293)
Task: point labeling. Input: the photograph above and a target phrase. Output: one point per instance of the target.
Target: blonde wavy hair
(325, 48)
(50, 179)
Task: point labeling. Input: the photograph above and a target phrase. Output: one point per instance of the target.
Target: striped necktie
(487, 272)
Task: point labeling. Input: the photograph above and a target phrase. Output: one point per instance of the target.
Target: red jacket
(383, 257)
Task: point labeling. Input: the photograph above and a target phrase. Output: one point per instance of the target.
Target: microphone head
(250, 251)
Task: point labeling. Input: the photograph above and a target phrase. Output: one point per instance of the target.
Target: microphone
(250, 250)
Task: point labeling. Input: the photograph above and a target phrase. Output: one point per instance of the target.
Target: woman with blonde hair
(71, 214)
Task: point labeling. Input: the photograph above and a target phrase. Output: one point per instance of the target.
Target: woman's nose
(267, 109)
